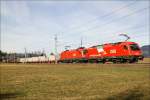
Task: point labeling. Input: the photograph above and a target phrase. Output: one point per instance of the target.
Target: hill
(146, 50)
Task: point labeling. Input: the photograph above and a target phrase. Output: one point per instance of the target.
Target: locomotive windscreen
(134, 47)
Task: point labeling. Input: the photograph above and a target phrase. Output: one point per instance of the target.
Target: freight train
(39, 59)
(120, 52)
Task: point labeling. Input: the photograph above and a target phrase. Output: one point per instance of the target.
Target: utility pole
(25, 54)
(81, 42)
(7, 57)
(43, 52)
(55, 48)
(14, 57)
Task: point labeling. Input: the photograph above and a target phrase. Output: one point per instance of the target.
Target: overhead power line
(130, 14)
(129, 28)
(115, 20)
(133, 29)
(122, 30)
(104, 16)
(112, 36)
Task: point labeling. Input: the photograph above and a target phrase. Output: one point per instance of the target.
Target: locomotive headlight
(137, 53)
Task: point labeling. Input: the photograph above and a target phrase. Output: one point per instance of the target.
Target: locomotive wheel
(92, 61)
(123, 60)
(133, 60)
(114, 62)
(104, 61)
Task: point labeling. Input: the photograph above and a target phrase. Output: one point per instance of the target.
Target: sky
(34, 24)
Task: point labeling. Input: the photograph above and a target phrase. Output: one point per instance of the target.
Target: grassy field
(75, 82)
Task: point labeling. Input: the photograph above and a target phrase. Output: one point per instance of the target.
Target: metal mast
(81, 42)
(55, 48)
(25, 54)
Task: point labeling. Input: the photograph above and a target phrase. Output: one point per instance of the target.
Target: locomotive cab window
(125, 47)
(100, 48)
(134, 47)
(85, 51)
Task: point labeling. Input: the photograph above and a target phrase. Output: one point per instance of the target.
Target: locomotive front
(135, 51)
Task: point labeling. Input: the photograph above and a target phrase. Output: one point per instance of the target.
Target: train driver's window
(125, 47)
(85, 51)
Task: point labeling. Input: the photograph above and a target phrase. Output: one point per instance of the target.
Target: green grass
(75, 82)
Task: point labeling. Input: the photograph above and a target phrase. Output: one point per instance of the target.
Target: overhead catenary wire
(104, 16)
(112, 21)
(118, 32)
(134, 29)
(129, 28)
(88, 44)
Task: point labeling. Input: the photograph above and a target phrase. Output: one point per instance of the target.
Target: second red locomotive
(121, 52)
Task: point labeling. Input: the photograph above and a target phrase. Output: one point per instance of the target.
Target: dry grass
(75, 82)
(146, 60)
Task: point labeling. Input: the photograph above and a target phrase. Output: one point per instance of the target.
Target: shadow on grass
(4, 96)
(128, 95)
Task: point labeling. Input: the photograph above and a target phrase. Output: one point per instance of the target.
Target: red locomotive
(121, 52)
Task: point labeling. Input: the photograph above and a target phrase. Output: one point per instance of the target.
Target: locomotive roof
(75, 49)
(117, 43)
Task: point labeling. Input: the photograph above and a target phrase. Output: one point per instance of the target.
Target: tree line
(14, 57)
